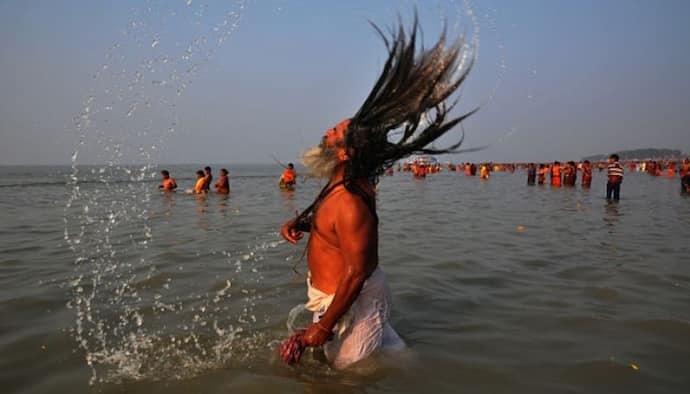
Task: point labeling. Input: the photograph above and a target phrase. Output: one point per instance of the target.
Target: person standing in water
(685, 176)
(208, 178)
(541, 174)
(347, 289)
(531, 174)
(570, 174)
(615, 178)
(200, 181)
(484, 172)
(586, 174)
(556, 174)
(289, 177)
(168, 184)
(223, 184)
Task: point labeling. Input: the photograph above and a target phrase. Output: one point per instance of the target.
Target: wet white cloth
(364, 329)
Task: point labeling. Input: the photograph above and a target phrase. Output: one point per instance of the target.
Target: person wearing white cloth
(403, 114)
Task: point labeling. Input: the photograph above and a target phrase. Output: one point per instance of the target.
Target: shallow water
(497, 286)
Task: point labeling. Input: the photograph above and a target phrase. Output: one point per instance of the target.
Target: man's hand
(290, 233)
(316, 335)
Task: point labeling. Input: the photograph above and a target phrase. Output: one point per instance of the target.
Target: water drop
(132, 108)
(138, 319)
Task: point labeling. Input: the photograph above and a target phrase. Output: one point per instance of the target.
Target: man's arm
(356, 230)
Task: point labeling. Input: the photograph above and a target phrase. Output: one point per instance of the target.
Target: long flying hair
(412, 90)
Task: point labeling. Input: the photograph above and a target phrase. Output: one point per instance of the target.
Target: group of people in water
(204, 179)
(564, 174)
(555, 174)
(203, 182)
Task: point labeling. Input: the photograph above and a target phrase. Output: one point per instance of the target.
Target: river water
(111, 286)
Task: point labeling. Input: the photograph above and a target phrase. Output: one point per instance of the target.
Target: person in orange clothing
(484, 171)
(289, 177)
(671, 170)
(586, 174)
(223, 185)
(200, 182)
(421, 171)
(168, 184)
(556, 174)
(208, 178)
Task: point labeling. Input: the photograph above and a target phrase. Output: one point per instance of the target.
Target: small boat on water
(422, 160)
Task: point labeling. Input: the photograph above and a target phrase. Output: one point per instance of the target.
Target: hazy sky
(185, 81)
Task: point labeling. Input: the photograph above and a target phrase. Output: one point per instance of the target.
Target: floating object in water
(291, 350)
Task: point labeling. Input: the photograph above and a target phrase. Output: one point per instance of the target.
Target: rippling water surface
(497, 286)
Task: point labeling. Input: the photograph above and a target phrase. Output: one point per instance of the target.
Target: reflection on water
(612, 215)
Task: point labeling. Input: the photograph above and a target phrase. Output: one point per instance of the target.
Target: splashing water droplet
(132, 108)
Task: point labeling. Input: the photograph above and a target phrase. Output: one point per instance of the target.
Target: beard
(320, 161)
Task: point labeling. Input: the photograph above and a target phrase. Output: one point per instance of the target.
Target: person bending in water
(223, 185)
(200, 181)
(288, 178)
(347, 289)
(168, 184)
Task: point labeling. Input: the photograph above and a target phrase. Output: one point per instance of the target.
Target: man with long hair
(347, 289)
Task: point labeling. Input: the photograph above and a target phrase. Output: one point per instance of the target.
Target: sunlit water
(497, 286)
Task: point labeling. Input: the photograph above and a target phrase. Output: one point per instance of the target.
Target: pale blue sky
(556, 79)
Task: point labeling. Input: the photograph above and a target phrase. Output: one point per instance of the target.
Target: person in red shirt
(586, 174)
(223, 185)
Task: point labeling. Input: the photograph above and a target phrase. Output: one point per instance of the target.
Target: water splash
(124, 324)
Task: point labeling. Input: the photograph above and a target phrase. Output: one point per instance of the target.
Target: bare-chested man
(347, 289)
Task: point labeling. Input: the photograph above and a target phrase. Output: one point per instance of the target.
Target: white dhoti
(364, 329)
